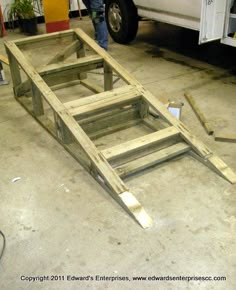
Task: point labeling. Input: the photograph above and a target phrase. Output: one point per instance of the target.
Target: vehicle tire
(122, 20)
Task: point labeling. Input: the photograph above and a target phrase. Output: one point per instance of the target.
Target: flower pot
(29, 26)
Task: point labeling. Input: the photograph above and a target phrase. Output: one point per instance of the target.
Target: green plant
(21, 9)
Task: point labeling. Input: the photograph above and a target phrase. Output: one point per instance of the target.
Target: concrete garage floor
(59, 221)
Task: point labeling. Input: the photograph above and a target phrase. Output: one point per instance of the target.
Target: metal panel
(212, 20)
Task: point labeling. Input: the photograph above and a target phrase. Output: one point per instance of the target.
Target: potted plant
(23, 11)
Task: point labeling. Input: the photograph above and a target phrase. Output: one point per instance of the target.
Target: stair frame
(72, 119)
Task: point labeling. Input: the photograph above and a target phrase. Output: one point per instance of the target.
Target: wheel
(122, 20)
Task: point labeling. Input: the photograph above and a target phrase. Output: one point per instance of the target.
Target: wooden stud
(66, 52)
(206, 124)
(92, 86)
(225, 137)
(44, 38)
(4, 59)
(15, 72)
(152, 159)
(81, 53)
(143, 109)
(108, 77)
(99, 102)
(63, 133)
(81, 64)
(37, 101)
(140, 143)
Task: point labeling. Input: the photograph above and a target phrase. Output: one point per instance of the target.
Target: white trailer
(214, 19)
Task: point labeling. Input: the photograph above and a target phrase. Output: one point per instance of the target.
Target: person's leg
(98, 18)
(87, 5)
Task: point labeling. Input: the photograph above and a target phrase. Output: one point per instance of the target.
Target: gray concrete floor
(59, 221)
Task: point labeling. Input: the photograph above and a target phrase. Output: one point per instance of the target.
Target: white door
(212, 20)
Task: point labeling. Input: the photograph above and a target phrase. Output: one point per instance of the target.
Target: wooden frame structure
(77, 122)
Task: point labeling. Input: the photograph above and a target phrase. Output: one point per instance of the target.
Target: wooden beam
(225, 137)
(15, 72)
(66, 52)
(108, 77)
(81, 64)
(37, 101)
(114, 128)
(44, 38)
(81, 53)
(116, 67)
(4, 59)
(152, 159)
(99, 102)
(206, 124)
(92, 86)
(140, 143)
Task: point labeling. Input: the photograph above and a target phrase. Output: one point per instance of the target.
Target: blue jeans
(96, 11)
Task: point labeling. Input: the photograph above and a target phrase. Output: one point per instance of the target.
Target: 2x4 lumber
(66, 52)
(101, 97)
(44, 37)
(92, 86)
(225, 137)
(62, 131)
(109, 121)
(155, 124)
(37, 101)
(81, 53)
(141, 143)
(116, 67)
(15, 72)
(199, 114)
(98, 162)
(102, 101)
(152, 159)
(81, 64)
(108, 77)
(202, 150)
(115, 128)
(4, 59)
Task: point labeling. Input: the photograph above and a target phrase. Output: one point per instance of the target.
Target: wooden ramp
(76, 123)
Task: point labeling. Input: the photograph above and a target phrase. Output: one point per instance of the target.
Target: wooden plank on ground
(205, 123)
(140, 143)
(4, 59)
(152, 159)
(225, 137)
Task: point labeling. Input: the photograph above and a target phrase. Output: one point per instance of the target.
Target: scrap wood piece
(225, 137)
(199, 114)
(4, 59)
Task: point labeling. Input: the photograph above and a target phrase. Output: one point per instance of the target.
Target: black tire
(122, 20)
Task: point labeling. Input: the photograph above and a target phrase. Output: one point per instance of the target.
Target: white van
(214, 19)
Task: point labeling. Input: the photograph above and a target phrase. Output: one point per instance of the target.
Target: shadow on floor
(185, 42)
